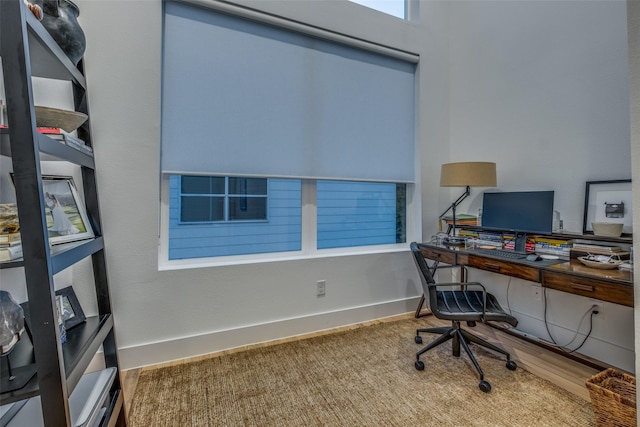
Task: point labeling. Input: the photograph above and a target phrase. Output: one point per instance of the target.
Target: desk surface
(614, 286)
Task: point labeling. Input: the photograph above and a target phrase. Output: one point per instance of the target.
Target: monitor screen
(523, 211)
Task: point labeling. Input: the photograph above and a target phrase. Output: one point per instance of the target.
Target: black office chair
(455, 302)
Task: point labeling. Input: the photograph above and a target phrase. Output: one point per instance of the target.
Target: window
(347, 214)
(280, 141)
(214, 198)
(360, 214)
(391, 7)
(221, 226)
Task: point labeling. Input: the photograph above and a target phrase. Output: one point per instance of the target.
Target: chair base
(462, 338)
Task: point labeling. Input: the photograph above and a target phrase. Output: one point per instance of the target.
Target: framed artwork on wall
(608, 201)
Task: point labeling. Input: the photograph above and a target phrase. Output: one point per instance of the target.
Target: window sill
(170, 265)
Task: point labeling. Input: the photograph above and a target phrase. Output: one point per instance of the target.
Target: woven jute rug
(360, 377)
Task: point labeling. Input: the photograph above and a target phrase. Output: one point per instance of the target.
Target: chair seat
(467, 306)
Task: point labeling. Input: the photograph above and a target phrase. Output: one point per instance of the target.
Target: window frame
(308, 238)
(309, 222)
(226, 206)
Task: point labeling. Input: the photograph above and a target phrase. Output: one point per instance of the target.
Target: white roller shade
(245, 98)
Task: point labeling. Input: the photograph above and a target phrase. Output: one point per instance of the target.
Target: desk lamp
(465, 174)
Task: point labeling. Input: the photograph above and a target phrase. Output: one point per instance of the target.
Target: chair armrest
(460, 266)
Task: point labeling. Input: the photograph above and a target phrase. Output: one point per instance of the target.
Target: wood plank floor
(564, 372)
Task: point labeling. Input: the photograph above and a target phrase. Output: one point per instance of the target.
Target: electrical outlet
(536, 292)
(599, 307)
(321, 288)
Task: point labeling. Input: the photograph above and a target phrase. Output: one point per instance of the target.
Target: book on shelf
(72, 141)
(461, 219)
(510, 243)
(492, 243)
(468, 233)
(48, 130)
(41, 129)
(10, 253)
(552, 246)
(493, 236)
(7, 238)
(593, 247)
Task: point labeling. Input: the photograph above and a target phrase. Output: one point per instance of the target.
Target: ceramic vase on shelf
(61, 21)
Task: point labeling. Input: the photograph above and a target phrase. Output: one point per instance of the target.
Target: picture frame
(608, 201)
(72, 313)
(67, 220)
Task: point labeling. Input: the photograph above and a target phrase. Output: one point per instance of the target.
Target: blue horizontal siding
(281, 232)
(355, 214)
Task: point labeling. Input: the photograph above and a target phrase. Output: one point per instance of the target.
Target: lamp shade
(472, 174)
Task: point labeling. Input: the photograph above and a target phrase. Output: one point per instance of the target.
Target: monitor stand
(520, 243)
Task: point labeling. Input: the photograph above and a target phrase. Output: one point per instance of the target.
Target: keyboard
(501, 253)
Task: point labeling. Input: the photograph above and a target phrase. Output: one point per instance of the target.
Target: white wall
(166, 315)
(542, 89)
(254, 302)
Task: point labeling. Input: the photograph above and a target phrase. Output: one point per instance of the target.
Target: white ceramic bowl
(609, 229)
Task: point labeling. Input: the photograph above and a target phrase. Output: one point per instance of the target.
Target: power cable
(591, 310)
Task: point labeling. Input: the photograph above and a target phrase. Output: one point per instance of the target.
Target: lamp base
(454, 240)
(19, 378)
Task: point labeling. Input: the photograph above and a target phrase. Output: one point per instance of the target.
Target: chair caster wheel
(419, 365)
(511, 365)
(485, 387)
(418, 339)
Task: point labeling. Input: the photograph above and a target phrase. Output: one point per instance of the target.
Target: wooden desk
(614, 286)
(572, 276)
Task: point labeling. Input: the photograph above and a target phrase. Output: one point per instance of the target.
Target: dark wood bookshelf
(28, 51)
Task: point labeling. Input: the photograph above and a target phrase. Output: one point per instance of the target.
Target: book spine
(9, 238)
(10, 253)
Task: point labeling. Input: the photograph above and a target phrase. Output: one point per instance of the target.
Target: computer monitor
(519, 212)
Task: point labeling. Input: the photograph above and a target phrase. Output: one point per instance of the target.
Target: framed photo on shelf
(608, 201)
(67, 220)
(71, 312)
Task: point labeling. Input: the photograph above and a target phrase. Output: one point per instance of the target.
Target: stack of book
(509, 242)
(553, 246)
(462, 219)
(583, 248)
(489, 238)
(67, 139)
(10, 247)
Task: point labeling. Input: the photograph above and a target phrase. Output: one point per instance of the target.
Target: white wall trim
(186, 347)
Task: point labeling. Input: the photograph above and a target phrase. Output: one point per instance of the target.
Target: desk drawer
(618, 294)
(508, 268)
(438, 255)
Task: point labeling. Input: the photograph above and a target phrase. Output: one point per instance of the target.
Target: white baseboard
(182, 348)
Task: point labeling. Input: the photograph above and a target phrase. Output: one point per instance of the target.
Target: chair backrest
(425, 274)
